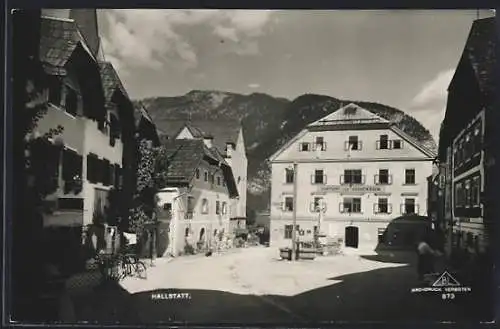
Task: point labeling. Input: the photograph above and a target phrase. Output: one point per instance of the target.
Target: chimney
(208, 141)
(229, 149)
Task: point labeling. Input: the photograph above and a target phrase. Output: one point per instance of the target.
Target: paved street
(252, 285)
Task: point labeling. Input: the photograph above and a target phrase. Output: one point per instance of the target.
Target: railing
(352, 179)
(378, 208)
(315, 179)
(379, 181)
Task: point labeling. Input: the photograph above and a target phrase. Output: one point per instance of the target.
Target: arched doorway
(351, 236)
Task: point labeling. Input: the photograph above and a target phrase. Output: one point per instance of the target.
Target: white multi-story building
(355, 171)
(227, 138)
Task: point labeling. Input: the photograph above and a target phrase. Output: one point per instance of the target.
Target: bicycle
(133, 266)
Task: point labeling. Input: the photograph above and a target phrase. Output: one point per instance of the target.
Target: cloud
(429, 104)
(151, 38)
(253, 85)
(434, 90)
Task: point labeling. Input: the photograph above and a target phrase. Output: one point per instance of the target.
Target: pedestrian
(426, 254)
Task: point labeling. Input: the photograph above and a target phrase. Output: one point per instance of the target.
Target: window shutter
(341, 207)
(117, 175)
(363, 179)
(341, 180)
(390, 179)
(112, 178)
(375, 208)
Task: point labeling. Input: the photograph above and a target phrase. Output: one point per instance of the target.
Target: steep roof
(59, 38)
(480, 49)
(185, 156)
(110, 81)
(222, 130)
(348, 115)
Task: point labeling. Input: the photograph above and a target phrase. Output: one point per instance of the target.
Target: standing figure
(426, 254)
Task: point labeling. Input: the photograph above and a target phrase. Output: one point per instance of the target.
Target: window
(71, 101)
(397, 144)
(289, 231)
(410, 176)
(458, 195)
(382, 206)
(212, 178)
(383, 177)
(351, 205)
(204, 206)
(475, 190)
(186, 232)
(205, 176)
(289, 176)
(218, 180)
(320, 144)
(477, 138)
(55, 88)
(304, 147)
(217, 207)
(409, 206)
(317, 204)
(353, 143)
(114, 125)
(288, 203)
(318, 177)
(167, 206)
(467, 193)
(384, 142)
(352, 176)
(190, 207)
(197, 173)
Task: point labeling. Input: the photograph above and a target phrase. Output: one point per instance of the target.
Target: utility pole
(294, 222)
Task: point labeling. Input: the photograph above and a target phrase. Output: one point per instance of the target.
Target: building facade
(196, 199)
(227, 139)
(354, 172)
(467, 146)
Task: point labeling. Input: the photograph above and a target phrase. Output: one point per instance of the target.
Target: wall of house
(336, 143)
(333, 162)
(97, 142)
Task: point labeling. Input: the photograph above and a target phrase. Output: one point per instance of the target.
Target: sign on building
(348, 189)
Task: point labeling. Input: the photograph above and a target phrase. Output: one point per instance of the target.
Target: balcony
(319, 146)
(382, 208)
(383, 179)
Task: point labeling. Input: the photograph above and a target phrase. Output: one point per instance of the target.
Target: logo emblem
(446, 280)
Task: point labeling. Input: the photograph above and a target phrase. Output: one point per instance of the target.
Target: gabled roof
(428, 152)
(141, 112)
(222, 130)
(480, 49)
(348, 115)
(185, 156)
(58, 40)
(110, 81)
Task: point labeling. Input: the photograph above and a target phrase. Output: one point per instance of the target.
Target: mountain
(268, 123)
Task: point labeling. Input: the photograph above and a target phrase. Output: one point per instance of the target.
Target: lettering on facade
(353, 188)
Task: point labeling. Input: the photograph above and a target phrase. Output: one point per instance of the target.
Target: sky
(400, 58)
